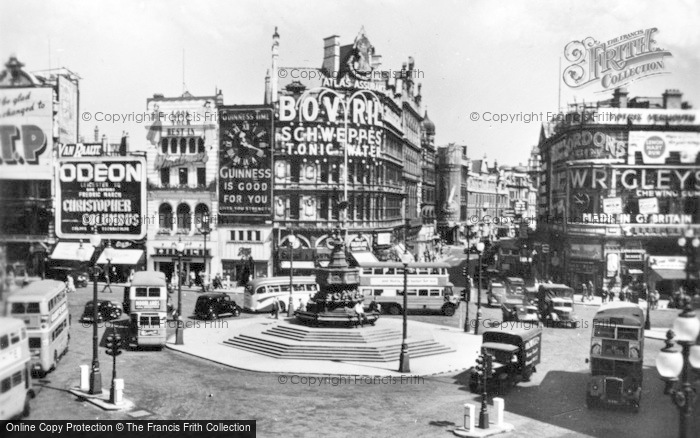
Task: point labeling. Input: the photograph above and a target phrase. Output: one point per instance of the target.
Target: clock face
(582, 200)
(246, 144)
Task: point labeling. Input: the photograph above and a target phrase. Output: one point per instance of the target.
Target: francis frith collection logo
(615, 62)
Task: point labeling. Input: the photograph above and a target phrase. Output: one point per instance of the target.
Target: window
(165, 176)
(153, 291)
(182, 172)
(190, 145)
(32, 307)
(200, 145)
(378, 292)
(323, 207)
(201, 176)
(141, 292)
(17, 378)
(183, 146)
(294, 207)
(164, 145)
(17, 308)
(173, 145)
(4, 342)
(34, 342)
(260, 290)
(14, 338)
(6, 385)
(324, 172)
(294, 170)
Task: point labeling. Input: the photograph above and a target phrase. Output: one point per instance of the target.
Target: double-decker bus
(617, 355)
(15, 370)
(146, 301)
(43, 306)
(428, 286)
(260, 292)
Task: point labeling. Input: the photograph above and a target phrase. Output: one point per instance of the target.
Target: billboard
(105, 194)
(26, 133)
(245, 163)
(656, 146)
(67, 116)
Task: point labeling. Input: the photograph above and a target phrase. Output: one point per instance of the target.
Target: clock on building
(245, 144)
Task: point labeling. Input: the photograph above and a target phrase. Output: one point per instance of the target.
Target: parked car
(214, 305)
(106, 311)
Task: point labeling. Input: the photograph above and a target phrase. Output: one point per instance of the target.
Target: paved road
(169, 385)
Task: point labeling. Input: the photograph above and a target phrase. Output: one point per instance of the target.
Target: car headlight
(595, 387)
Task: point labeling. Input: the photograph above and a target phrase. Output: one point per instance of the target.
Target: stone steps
(341, 336)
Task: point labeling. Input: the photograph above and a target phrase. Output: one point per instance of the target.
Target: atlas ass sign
(106, 195)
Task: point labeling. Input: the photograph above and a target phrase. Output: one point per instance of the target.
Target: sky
(499, 57)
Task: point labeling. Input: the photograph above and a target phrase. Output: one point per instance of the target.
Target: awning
(364, 258)
(69, 251)
(298, 265)
(122, 257)
(668, 274)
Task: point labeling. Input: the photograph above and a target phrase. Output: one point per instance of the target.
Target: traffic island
(494, 427)
(102, 400)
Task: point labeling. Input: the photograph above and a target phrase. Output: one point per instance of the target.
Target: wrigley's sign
(615, 62)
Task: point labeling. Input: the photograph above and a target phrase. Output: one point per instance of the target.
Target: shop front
(584, 264)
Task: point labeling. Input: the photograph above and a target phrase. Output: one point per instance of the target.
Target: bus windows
(378, 292)
(434, 292)
(627, 333)
(17, 308)
(34, 342)
(260, 290)
(299, 288)
(15, 338)
(283, 288)
(149, 320)
(6, 385)
(389, 271)
(422, 292)
(411, 292)
(141, 292)
(4, 342)
(604, 331)
(153, 291)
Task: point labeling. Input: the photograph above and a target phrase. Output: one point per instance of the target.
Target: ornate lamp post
(293, 243)
(205, 229)
(671, 364)
(95, 374)
(180, 328)
(480, 250)
(404, 365)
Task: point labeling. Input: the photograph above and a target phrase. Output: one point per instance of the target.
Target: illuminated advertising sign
(643, 182)
(26, 133)
(324, 122)
(587, 145)
(245, 162)
(656, 146)
(106, 195)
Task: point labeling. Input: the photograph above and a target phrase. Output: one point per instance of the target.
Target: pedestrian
(584, 291)
(173, 281)
(70, 284)
(302, 306)
(228, 281)
(131, 275)
(360, 312)
(275, 308)
(655, 299)
(193, 276)
(591, 290)
(604, 295)
(374, 306)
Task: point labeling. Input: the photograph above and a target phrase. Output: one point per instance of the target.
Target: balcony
(211, 187)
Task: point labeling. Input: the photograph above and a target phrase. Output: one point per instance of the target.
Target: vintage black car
(214, 305)
(106, 311)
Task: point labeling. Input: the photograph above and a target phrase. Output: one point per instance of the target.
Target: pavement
(207, 342)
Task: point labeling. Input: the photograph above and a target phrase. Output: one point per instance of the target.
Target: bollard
(469, 410)
(84, 378)
(118, 391)
(499, 404)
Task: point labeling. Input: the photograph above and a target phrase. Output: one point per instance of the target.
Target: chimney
(620, 98)
(97, 134)
(331, 55)
(672, 99)
(219, 98)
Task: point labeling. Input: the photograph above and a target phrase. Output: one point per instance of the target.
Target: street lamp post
(672, 364)
(467, 289)
(180, 329)
(404, 365)
(95, 374)
(292, 242)
(205, 230)
(689, 243)
(480, 249)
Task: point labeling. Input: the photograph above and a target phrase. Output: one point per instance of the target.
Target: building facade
(347, 155)
(620, 183)
(39, 113)
(182, 165)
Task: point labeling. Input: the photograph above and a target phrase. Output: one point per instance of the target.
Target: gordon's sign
(106, 195)
(615, 62)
